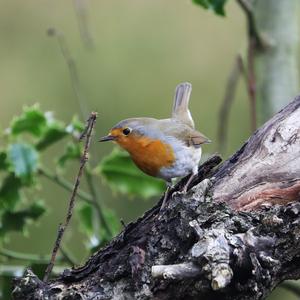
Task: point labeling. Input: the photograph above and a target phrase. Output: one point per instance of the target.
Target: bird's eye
(127, 130)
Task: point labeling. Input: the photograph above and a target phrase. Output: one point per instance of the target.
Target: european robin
(165, 148)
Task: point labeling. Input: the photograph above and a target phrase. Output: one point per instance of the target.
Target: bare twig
(237, 69)
(82, 18)
(71, 67)
(62, 227)
(255, 43)
(123, 223)
(252, 82)
(252, 29)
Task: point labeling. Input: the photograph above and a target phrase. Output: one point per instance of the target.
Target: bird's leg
(166, 195)
(194, 173)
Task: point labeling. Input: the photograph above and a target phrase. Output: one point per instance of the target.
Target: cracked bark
(234, 235)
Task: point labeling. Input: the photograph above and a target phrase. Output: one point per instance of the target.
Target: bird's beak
(107, 138)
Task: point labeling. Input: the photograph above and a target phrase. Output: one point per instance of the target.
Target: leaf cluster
(22, 163)
(217, 6)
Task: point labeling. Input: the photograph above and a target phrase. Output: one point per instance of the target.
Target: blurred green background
(139, 51)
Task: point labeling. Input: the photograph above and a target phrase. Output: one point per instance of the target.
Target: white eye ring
(126, 130)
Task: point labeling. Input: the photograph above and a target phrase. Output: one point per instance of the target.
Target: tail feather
(181, 104)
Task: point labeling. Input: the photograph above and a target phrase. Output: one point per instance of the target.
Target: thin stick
(82, 18)
(255, 43)
(252, 82)
(62, 227)
(66, 53)
(237, 69)
(123, 223)
(247, 7)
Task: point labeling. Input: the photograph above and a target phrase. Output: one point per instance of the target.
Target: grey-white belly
(186, 162)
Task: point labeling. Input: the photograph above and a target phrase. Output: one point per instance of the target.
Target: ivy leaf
(104, 237)
(38, 269)
(76, 125)
(3, 161)
(72, 152)
(112, 220)
(216, 5)
(75, 128)
(53, 133)
(23, 159)
(16, 221)
(32, 120)
(85, 212)
(123, 176)
(6, 281)
(10, 192)
(203, 3)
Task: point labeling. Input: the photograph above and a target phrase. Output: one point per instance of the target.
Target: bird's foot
(186, 186)
(166, 196)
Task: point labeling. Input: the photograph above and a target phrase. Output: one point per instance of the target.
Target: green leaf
(75, 128)
(203, 3)
(85, 212)
(38, 269)
(123, 176)
(23, 159)
(6, 285)
(104, 237)
(113, 221)
(54, 133)
(87, 226)
(16, 221)
(72, 152)
(10, 192)
(32, 120)
(76, 125)
(216, 5)
(3, 161)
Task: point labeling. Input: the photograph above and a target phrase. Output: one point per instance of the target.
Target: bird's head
(129, 132)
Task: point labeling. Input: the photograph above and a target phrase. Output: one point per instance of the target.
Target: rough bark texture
(234, 235)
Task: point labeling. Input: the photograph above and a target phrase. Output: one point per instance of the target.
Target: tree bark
(234, 235)
(276, 63)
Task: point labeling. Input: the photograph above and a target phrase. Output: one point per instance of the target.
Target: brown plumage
(165, 148)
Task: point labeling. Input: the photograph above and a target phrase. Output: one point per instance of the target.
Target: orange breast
(149, 155)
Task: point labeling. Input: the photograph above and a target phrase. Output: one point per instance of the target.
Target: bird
(164, 148)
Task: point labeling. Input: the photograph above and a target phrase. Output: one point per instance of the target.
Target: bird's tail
(180, 110)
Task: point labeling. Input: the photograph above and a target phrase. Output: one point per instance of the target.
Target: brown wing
(196, 139)
(183, 132)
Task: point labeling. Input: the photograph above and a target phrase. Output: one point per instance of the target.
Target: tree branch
(234, 235)
(82, 19)
(62, 227)
(232, 81)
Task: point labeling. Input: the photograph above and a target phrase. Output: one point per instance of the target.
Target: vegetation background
(129, 60)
